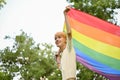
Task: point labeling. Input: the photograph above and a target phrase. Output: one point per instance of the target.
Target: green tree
(28, 59)
(103, 9)
(2, 3)
(4, 76)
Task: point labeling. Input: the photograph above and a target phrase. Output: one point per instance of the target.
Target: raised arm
(68, 27)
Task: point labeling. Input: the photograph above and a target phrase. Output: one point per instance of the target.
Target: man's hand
(67, 9)
(57, 56)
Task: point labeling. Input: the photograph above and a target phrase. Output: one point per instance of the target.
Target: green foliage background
(36, 60)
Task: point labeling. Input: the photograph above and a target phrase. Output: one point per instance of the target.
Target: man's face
(60, 41)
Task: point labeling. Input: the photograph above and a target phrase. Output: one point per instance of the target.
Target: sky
(40, 19)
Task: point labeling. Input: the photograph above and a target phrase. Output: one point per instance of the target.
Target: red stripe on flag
(94, 22)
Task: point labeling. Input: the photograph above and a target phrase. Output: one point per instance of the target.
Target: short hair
(63, 34)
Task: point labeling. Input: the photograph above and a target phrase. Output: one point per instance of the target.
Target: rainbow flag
(97, 43)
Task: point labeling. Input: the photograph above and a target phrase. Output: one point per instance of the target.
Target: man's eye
(59, 37)
(55, 38)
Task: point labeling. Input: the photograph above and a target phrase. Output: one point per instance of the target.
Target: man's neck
(62, 48)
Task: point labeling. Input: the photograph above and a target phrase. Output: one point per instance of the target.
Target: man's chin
(58, 45)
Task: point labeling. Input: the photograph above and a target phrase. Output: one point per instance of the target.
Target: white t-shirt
(68, 61)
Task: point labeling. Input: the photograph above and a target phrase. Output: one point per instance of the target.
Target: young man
(66, 58)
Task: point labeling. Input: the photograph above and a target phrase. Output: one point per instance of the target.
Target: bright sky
(39, 18)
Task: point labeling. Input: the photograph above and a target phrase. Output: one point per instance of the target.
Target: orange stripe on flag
(95, 33)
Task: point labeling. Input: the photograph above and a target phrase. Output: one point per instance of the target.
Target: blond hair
(63, 34)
